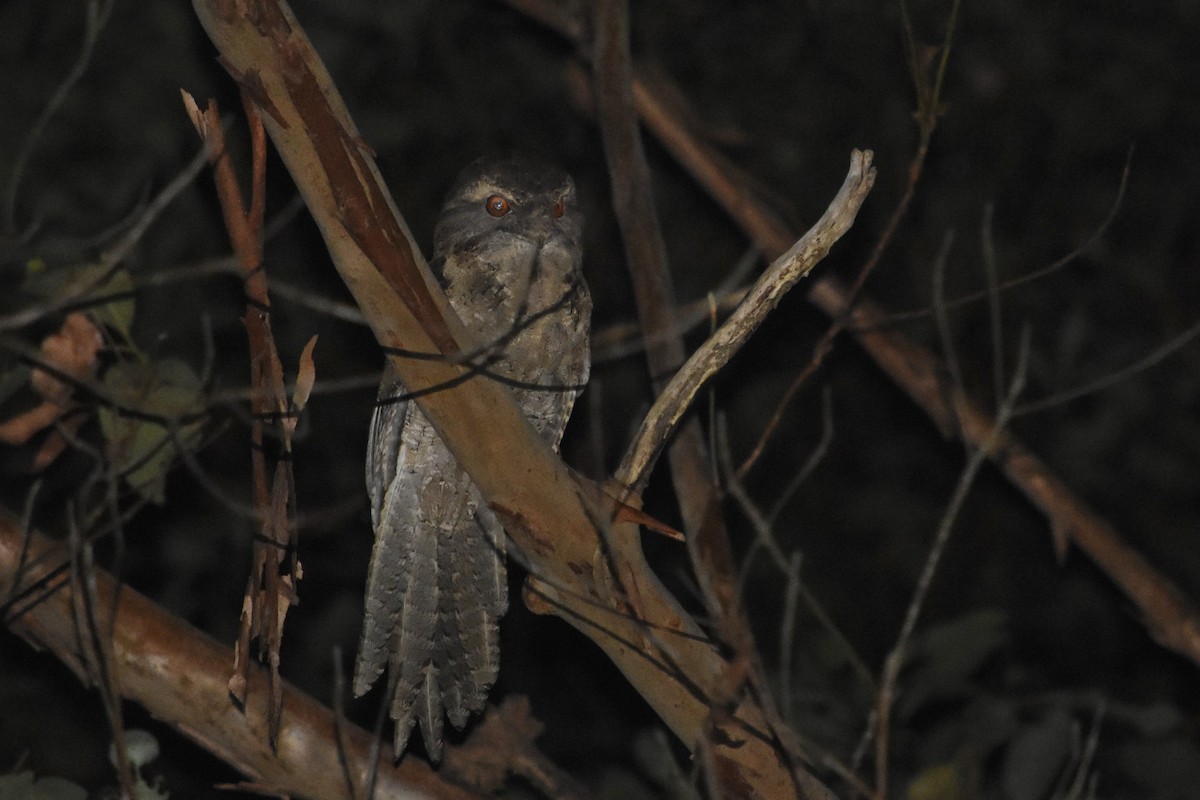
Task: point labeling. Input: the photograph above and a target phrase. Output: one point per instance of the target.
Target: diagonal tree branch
(590, 568)
(180, 675)
(698, 496)
(1170, 616)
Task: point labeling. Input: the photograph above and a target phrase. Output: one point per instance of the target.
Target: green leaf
(16, 785)
(142, 450)
(22, 786)
(116, 314)
(941, 782)
(943, 659)
(959, 647)
(1037, 755)
(58, 789)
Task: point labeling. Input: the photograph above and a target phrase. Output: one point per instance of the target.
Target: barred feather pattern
(436, 585)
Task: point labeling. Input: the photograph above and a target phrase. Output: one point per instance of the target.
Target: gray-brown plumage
(507, 252)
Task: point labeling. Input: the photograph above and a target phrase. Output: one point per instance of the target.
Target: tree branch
(589, 570)
(180, 675)
(763, 297)
(1171, 618)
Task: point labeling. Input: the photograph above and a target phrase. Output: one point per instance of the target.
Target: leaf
(941, 782)
(1037, 755)
(17, 785)
(141, 747)
(959, 647)
(115, 313)
(58, 789)
(22, 786)
(944, 658)
(142, 449)
(306, 376)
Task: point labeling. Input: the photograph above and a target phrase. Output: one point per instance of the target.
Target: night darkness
(1021, 654)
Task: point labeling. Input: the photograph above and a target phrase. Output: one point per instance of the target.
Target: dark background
(1043, 106)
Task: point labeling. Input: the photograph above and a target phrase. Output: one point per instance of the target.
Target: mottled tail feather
(429, 709)
(387, 579)
(478, 589)
(436, 589)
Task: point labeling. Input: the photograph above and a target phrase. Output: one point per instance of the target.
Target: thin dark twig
(896, 657)
(988, 246)
(765, 540)
(83, 297)
(1151, 359)
(623, 339)
(660, 660)
(339, 722)
(928, 111)
(1077, 252)
(210, 485)
(950, 352)
(346, 312)
(812, 462)
(481, 358)
(95, 647)
(787, 631)
(591, 602)
(796, 591)
(737, 490)
(97, 14)
(27, 529)
(83, 292)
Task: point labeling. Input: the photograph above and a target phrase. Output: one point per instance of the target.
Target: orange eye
(497, 205)
(560, 207)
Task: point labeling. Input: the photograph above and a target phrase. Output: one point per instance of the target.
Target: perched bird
(507, 253)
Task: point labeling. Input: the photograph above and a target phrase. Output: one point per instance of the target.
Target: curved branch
(591, 568)
(762, 298)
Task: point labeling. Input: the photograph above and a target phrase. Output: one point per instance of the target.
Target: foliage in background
(1029, 679)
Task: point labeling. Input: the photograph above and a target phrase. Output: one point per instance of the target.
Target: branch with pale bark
(589, 567)
(180, 675)
(1170, 616)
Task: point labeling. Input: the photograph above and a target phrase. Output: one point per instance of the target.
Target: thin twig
(1097, 234)
(929, 109)
(950, 353)
(110, 258)
(767, 292)
(623, 339)
(765, 540)
(1151, 359)
(97, 14)
(787, 630)
(897, 655)
(995, 317)
(812, 462)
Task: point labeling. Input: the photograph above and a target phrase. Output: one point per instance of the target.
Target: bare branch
(97, 14)
(1151, 359)
(551, 518)
(153, 651)
(111, 258)
(766, 293)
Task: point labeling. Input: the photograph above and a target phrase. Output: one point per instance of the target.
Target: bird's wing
(383, 447)
(436, 587)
